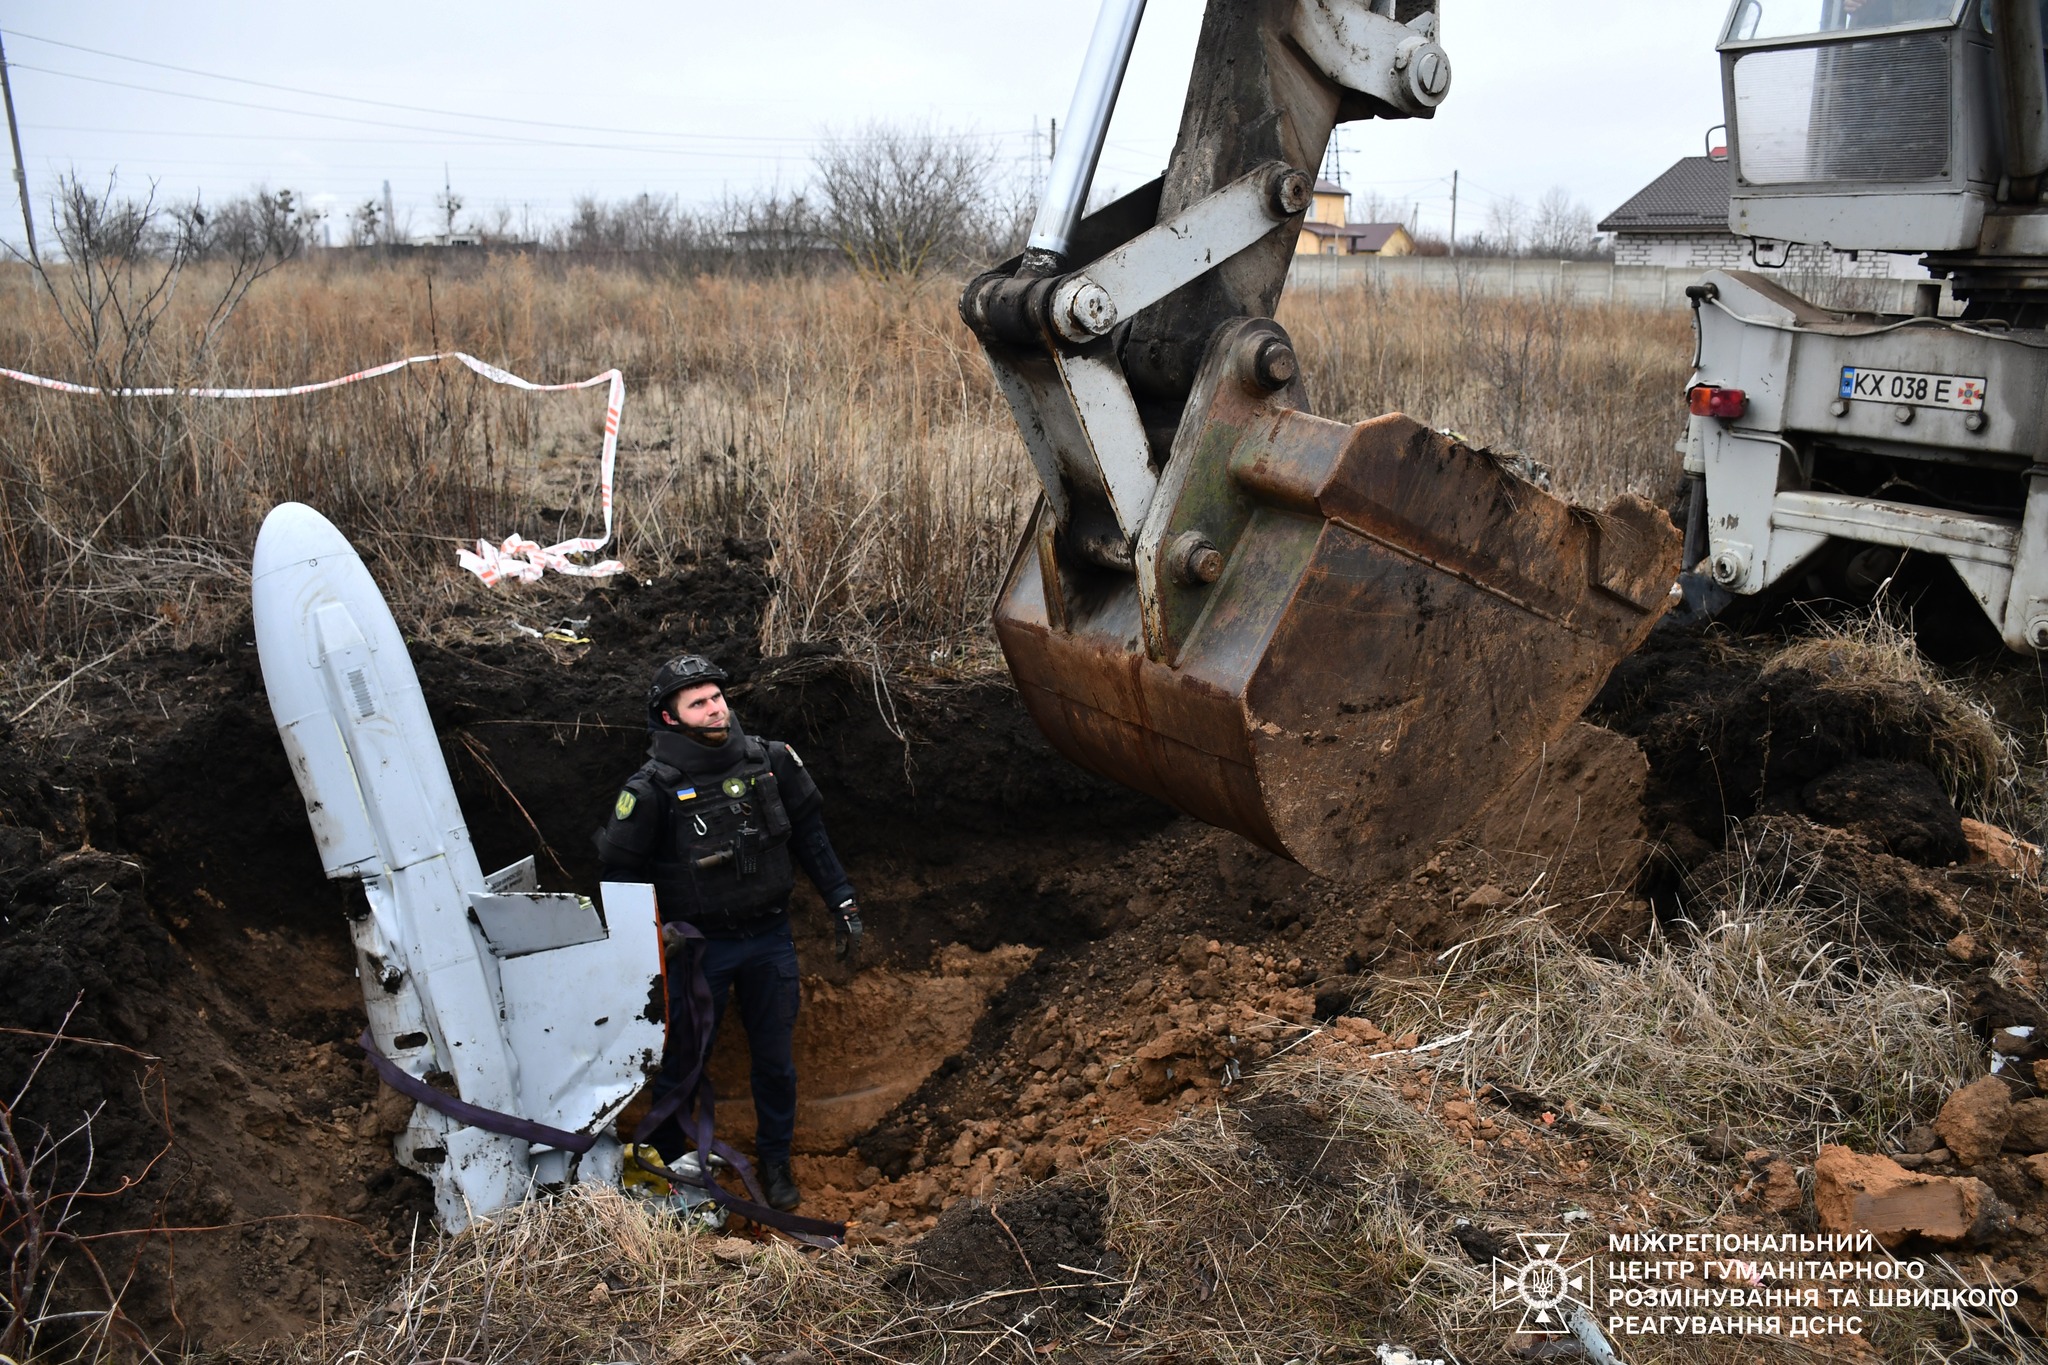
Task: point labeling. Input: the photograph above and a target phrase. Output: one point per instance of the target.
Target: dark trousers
(762, 971)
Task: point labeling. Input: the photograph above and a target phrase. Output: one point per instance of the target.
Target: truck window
(1754, 19)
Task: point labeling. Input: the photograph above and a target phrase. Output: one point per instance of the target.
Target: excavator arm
(1339, 641)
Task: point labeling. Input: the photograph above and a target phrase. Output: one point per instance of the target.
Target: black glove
(846, 930)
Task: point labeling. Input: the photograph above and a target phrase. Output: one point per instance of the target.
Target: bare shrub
(643, 223)
(772, 233)
(56, 1291)
(141, 300)
(902, 203)
(1518, 347)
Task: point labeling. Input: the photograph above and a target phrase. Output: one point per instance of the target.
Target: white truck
(1825, 443)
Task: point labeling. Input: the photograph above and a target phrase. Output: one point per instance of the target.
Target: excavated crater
(1052, 963)
(164, 901)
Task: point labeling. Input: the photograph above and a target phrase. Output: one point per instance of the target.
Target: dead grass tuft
(1871, 662)
(1763, 1014)
(594, 1275)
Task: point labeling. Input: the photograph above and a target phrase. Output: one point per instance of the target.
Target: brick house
(1681, 219)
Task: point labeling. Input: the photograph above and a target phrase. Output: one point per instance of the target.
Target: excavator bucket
(1399, 628)
(1340, 641)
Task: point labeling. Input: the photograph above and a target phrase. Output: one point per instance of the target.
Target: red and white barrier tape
(516, 557)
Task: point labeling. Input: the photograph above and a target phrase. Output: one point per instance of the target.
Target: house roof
(1330, 187)
(1692, 195)
(1372, 236)
(1364, 236)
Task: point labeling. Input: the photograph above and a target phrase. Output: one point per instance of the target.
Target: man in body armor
(715, 820)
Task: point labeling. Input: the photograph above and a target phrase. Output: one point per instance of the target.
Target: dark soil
(1898, 806)
(1727, 738)
(1050, 1235)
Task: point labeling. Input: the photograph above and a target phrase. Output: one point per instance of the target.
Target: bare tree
(265, 226)
(365, 224)
(643, 224)
(497, 227)
(1373, 207)
(1562, 227)
(902, 202)
(1507, 221)
(771, 233)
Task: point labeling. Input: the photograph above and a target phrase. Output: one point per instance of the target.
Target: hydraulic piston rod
(1073, 161)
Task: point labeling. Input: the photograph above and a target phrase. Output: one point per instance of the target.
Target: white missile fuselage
(525, 1004)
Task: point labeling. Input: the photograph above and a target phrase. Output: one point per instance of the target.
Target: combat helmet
(685, 670)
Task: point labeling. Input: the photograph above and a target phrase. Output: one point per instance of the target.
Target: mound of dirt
(1048, 1236)
(1898, 806)
(1733, 728)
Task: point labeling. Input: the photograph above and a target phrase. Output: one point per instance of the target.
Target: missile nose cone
(294, 533)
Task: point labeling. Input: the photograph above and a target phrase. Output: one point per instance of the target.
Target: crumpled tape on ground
(515, 557)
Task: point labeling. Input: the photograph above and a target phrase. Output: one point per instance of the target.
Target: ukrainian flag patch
(686, 793)
(623, 807)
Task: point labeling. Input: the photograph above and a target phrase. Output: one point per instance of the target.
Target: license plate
(1913, 387)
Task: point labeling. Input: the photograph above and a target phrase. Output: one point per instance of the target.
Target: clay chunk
(1974, 1122)
(1857, 1193)
(1990, 844)
(2029, 1131)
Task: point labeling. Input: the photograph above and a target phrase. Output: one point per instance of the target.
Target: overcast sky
(698, 100)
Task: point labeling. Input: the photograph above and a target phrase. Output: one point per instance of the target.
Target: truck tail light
(1707, 401)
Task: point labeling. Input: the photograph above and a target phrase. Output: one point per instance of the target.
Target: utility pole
(1052, 144)
(390, 223)
(1036, 193)
(1454, 213)
(28, 217)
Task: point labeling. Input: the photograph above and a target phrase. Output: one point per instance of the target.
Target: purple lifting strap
(695, 1100)
(475, 1115)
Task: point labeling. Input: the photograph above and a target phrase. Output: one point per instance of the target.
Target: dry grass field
(854, 426)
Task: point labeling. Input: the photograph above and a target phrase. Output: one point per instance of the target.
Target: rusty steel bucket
(1339, 641)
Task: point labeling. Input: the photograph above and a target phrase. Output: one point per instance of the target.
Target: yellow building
(1327, 230)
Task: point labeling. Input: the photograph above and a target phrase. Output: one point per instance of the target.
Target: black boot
(779, 1185)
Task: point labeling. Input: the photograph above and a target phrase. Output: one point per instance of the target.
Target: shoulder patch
(795, 757)
(623, 807)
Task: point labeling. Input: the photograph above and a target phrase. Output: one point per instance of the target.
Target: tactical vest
(723, 858)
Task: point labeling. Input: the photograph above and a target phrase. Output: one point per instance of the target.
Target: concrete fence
(1634, 286)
